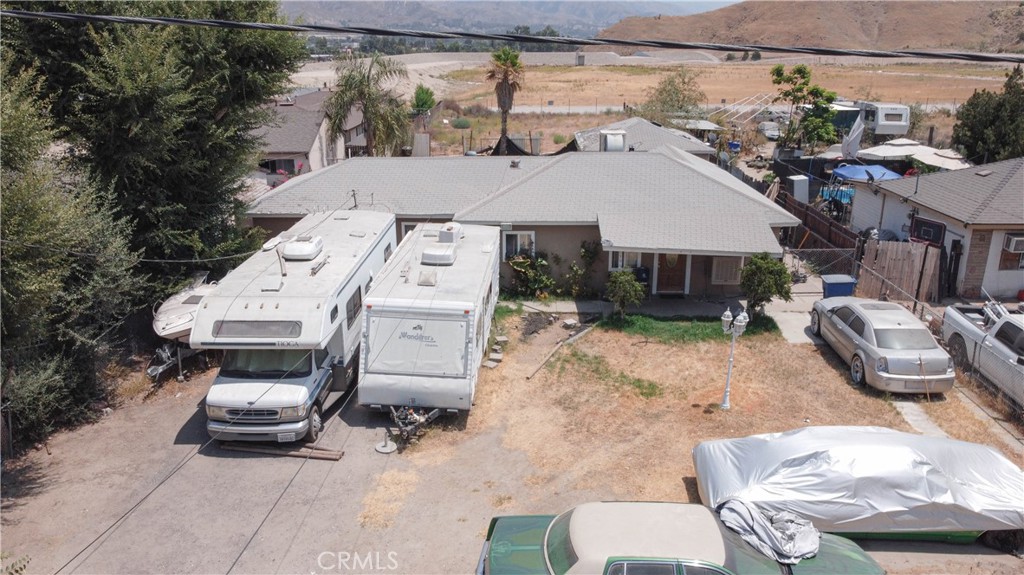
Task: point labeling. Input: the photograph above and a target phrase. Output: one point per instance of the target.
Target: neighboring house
(298, 140)
(688, 224)
(637, 135)
(977, 214)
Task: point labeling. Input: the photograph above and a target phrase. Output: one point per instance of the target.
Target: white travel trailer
(886, 119)
(428, 319)
(289, 320)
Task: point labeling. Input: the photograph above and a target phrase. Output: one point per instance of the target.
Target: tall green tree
(507, 72)
(677, 95)
(423, 99)
(364, 84)
(990, 126)
(69, 275)
(810, 106)
(165, 117)
(764, 278)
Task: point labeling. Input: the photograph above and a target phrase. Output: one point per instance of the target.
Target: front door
(671, 273)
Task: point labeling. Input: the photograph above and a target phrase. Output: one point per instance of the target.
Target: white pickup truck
(988, 339)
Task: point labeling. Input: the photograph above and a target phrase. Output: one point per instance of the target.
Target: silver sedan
(884, 344)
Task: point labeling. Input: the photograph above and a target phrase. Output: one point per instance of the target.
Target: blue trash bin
(837, 285)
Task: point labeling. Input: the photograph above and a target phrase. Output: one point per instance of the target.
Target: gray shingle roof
(662, 200)
(995, 199)
(294, 131)
(574, 187)
(695, 232)
(643, 136)
(407, 187)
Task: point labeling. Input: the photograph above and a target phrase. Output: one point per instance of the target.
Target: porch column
(686, 285)
(654, 276)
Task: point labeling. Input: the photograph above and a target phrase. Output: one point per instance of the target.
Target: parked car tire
(815, 323)
(958, 350)
(315, 425)
(857, 370)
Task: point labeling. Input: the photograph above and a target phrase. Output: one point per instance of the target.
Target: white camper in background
(886, 119)
(428, 319)
(289, 321)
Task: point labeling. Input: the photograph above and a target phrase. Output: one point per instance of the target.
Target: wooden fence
(823, 229)
(908, 267)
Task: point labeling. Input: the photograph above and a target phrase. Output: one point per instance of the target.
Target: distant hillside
(578, 19)
(958, 25)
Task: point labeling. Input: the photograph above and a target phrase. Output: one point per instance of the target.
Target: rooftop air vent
(613, 140)
(427, 278)
(450, 233)
(303, 248)
(439, 254)
(514, 163)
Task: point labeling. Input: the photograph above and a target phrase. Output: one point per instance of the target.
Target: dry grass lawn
(619, 414)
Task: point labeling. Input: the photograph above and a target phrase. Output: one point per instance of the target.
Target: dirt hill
(950, 25)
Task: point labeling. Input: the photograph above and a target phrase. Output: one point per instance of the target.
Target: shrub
(531, 277)
(461, 123)
(559, 139)
(755, 56)
(623, 290)
(478, 110)
(730, 57)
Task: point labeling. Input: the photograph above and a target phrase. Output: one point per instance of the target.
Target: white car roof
(643, 529)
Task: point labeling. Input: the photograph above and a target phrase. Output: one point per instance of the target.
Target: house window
(726, 270)
(276, 166)
(518, 244)
(407, 227)
(623, 260)
(1011, 261)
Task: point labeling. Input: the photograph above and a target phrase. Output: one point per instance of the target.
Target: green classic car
(646, 538)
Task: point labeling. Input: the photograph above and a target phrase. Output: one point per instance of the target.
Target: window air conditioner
(1014, 244)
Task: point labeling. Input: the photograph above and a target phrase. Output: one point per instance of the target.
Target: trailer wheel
(315, 425)
(958, 350)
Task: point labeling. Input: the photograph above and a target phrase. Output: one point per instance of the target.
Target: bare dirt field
(559, 98)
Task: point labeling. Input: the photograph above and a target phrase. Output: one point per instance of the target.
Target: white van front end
(265, 395)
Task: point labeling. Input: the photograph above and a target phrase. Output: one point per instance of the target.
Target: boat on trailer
(173, 318)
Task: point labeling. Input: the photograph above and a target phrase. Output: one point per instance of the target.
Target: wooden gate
(908, 267)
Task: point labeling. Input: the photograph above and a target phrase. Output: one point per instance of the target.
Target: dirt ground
(607, 80)
(559, 98)
(610, 416)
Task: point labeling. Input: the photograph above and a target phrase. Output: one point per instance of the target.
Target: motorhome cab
(289, 320)
(428, 319)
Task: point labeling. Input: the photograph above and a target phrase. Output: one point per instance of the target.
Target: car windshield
(266, 363)
(558, 546)
(904, 339)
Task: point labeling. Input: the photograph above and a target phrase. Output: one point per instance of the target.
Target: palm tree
(507, 73)
(365, 84)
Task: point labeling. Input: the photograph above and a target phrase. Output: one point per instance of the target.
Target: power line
(140, 260)
(521, 38)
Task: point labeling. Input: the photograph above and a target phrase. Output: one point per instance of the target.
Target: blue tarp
(861, 173)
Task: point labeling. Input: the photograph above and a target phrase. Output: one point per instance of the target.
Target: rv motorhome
(289, 321)
(428, 319)
(886, 119)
